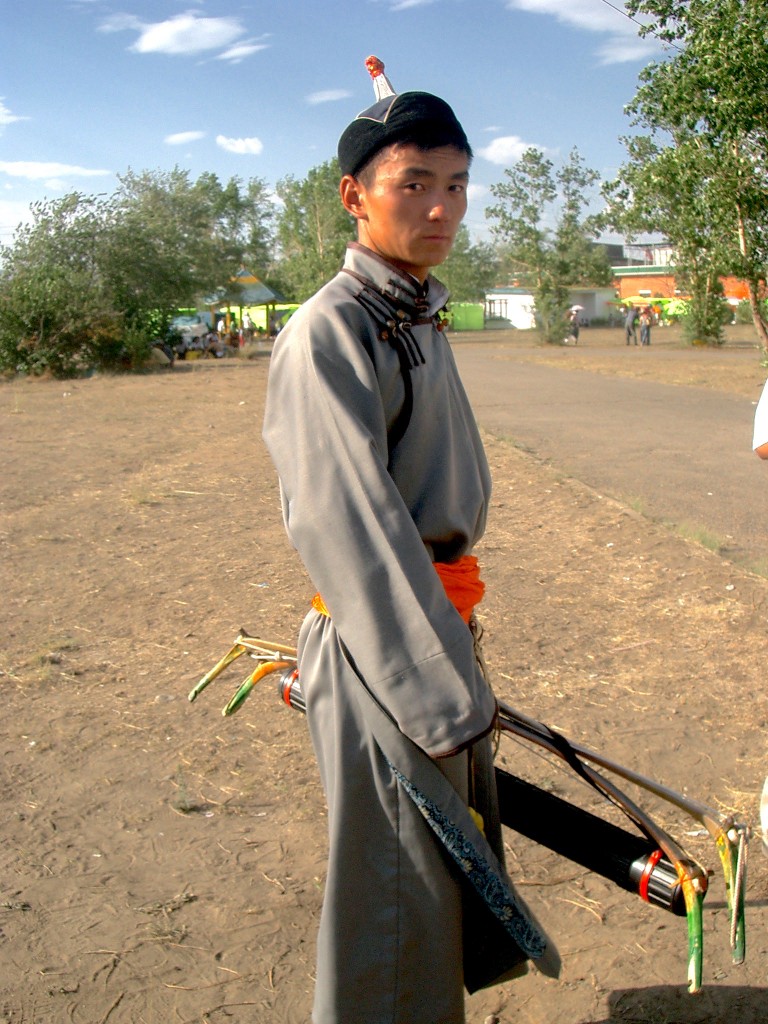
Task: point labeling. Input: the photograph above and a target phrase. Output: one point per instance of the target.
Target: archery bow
(663, 862)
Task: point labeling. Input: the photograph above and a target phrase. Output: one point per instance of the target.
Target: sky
(90, 89)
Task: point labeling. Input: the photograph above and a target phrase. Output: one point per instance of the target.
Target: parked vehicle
(192, 325)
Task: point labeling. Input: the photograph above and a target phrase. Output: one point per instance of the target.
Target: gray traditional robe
(368, 515)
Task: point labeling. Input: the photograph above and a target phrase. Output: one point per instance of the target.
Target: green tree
(547, 236)
(259, 218)
(92, 281)
(706, 104)
(313, 229)
(55, 307)
(470, 269)
(668, 185)
(185, 232)
(244, 215)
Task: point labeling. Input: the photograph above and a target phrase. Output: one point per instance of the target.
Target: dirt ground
(160, 864)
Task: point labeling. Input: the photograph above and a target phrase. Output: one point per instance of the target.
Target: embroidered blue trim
(487, 883)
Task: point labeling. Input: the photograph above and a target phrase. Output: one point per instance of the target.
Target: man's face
(412, 206)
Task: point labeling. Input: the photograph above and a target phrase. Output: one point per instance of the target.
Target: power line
(621, 10)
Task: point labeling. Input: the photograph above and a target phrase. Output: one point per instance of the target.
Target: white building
(509, 307)
(515, 307)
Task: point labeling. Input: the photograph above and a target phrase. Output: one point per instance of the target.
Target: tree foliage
(53, 298)
(700, 174)
(663, 185)
(470, 269)
(313, 229)
(92, 281)
(547, 236)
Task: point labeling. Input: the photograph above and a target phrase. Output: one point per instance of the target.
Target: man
(573, 320)
(247, 327)
(630, 324)
(645, 326)
(385, 490)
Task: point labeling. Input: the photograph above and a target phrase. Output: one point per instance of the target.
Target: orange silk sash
(462, 583)
(461, 580)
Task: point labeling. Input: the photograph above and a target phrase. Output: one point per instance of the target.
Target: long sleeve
(367, 527)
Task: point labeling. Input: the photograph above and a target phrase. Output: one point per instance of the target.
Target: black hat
(417, 117)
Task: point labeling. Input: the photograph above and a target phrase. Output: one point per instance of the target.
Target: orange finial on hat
(381, 84)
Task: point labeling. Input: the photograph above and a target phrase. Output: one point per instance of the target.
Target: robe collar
(401, 288)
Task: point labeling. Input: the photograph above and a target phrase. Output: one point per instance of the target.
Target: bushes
(704, 321)
(92, 281)
(54, 310)
(744, 311)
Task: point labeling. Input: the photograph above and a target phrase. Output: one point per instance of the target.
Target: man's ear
(351, 191)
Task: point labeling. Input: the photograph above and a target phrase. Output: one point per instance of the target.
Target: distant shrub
(703, 323)
(744, 311)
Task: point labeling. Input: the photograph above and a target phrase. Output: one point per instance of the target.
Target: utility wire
(620, 10)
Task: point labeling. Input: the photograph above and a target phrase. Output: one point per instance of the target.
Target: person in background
(646, 319)
(760, 431)
(573, 322)
(214, 346)
(630, 324)
(247, 329)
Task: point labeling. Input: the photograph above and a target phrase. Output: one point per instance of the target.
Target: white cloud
(623, 49)
(6, 117)
(623, 43)
(394, 6)
(476, 192)
(182, 138)
(507, 149)
(188, 34)
(405, 5)
(120, 22)
(12, 214)
(55, 185)
(185, 34)
(328, 96)
(251, 146)
(234, 54)
(581, 13)
(34, 171)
